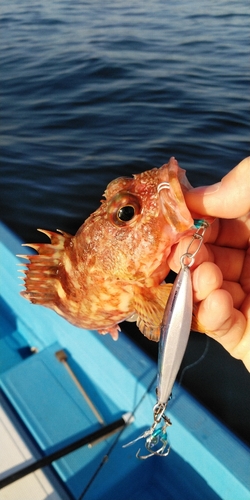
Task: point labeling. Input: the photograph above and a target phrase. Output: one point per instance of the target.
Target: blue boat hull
(206, 460)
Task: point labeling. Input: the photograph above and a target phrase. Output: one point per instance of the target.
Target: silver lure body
(175, 330)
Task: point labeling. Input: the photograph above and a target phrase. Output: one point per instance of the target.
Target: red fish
(114, 267)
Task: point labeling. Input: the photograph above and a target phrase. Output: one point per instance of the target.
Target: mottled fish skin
(113, 268)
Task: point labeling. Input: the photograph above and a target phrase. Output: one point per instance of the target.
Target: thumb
(227, 199)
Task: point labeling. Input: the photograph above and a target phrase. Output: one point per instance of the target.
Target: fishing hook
(155, 435)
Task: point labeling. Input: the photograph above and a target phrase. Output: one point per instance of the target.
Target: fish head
(149, 195)
(138, 222)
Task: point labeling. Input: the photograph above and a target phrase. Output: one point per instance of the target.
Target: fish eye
(126, 213)
(123, 208)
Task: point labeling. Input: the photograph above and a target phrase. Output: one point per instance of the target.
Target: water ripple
(91, 91)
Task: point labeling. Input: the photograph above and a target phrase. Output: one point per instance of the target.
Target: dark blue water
(93, 90)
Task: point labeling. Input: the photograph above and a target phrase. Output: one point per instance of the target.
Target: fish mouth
(172, 184)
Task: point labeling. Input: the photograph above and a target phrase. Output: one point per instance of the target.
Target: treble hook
(154, 435)
(158, 435)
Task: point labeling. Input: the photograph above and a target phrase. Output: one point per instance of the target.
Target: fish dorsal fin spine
(41, 277)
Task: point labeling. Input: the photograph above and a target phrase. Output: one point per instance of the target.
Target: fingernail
(206, 189)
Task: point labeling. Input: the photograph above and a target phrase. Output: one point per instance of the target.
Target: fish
(114, 268)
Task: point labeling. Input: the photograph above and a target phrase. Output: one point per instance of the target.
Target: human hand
(221, 273)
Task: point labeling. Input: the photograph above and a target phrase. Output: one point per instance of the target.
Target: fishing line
(118, 436)
(195, 363)
(106, 456)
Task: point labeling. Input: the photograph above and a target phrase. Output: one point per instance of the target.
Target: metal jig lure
(175, 329)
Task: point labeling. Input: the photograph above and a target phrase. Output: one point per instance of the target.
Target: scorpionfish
(114, 268)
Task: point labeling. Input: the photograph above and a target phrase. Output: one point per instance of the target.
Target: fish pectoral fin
(149, 304)
(148, 331)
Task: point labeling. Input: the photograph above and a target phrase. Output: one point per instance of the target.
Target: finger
(245, 275)
(227, 199)
(215, 311)
(244, 346)
(206, 278)
(178, 250)
(233, 262)
(229, 260)
(239, 228)
(225, 324)
(237, 293)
